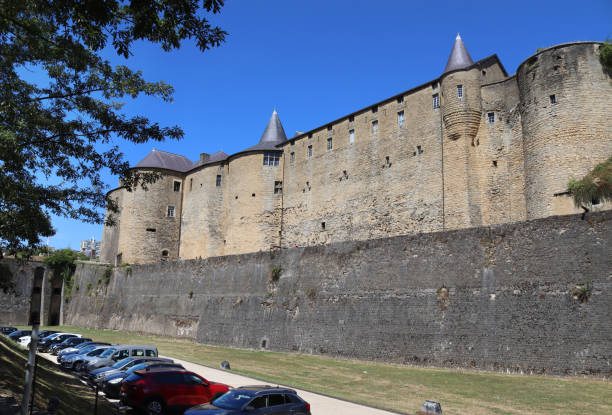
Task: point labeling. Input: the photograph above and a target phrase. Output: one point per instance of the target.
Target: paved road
(319, 404)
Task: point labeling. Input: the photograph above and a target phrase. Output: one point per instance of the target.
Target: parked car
(25, 340)
(16, 335)
(44, 345)
(258, 400)
(69, 350)
(76, 361)
(69, 342)
(97, 376)
(111, 385)
(160, 389)
(122, 352)
(6, 330)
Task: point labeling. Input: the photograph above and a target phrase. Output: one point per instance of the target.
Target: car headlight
(115, 381)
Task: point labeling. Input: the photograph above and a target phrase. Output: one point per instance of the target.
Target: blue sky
(318, 60)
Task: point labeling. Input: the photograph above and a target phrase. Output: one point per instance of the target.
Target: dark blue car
(254, 400)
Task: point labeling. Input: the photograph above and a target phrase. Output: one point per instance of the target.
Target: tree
(52, 130)
(596, 186)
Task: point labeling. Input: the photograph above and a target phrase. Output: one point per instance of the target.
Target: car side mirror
(249, 408)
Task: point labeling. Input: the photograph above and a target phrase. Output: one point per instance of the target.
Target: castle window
(177, 186)
(170, 211)
(553, 99)
(329, 128)
(310, 151)
(252, 194)
(459, 91)
(400, 100)
(491, 116)
(374, 127)
(494, 163)
(484, 73)
(164, 255)
(190, 184)
(310, 136)
(374, 109)
(436, 101)
(151, 229)
(400, 119)
(278, 188)
(434, 86)
(329, 144)
(323, 225)
(351, 136)
(292, 159)
(218, 180)
(419, 150)
(271, 159)
(351, 118)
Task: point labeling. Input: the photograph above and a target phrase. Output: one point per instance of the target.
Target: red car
(163, 389)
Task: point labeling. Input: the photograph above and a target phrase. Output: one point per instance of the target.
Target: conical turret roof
(273, 135)
(459, 57)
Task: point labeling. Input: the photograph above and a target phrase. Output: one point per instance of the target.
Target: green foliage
(581, 292)
(62, 262)
(108, 273)
(190, 294)
(275, 273)
(89, 287)
(6, 279)
(605, 54)
(595, 186)
(61, 103)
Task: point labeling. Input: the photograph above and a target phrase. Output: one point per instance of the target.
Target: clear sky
(318, 60)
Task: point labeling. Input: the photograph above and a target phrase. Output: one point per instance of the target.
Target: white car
(25, 341)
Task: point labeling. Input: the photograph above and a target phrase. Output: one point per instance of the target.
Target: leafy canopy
(596, 186)
(58, 133)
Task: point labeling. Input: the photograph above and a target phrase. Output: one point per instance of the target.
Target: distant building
(91, 248)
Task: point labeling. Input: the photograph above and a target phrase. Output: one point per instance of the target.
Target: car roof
(266, 388)
(161, 370)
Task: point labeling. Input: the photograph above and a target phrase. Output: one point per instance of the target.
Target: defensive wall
(501, 297)
(426, 160)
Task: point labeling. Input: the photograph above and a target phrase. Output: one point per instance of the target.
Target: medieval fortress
(473, 147)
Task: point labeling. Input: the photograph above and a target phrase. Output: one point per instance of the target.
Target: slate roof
(273, 135)
(218, 156)
(164, 160)
(459, 57)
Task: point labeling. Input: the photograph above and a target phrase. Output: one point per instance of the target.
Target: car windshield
(235, 399)
(137, 367)
(122, 363)
(50, 337)
(86, 349)
(108, 352)
(95, 352)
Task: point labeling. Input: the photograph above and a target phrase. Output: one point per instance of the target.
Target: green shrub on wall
(605, 55)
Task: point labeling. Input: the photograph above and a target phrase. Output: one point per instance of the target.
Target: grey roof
(459, 57)
(163, 160)
(218, 156)
(273, 135)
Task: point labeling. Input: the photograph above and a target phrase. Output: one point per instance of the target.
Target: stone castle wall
(494, 298)
(446, 168)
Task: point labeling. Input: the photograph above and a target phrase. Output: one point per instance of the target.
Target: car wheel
(154, 407)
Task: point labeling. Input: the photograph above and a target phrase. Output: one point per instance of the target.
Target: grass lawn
(398, 388)
(75, 398)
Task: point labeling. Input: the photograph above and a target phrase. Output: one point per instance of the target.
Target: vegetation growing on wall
(62, 262)
(605, 55)
(581, 292)
(275, 273)
(593, 188)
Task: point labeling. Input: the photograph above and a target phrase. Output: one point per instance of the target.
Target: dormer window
(177, 186)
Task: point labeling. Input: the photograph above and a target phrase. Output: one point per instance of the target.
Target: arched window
(164, 255)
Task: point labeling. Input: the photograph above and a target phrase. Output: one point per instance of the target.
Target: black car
(254, 399)
(69, 342)
(6, 330)
(111, 385)
(16, 335)
(45, 344)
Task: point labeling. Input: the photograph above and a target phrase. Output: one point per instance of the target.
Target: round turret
(461, 101)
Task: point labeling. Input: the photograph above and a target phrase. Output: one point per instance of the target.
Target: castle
(473, 147)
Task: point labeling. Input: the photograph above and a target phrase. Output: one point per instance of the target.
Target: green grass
(398, 388)
(74, 397)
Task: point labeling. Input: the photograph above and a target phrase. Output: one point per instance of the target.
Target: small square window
(310, 136)
(434, 86)
(436, 101)
(292, 159)
(218, 180)
(309, 151)
(329, 143)
(491, 116)
(177, 186)
(374, 109)
(351, 136)
(484, 73)
(553, 99)
(170, 211)
(419, 150)
(374, 127)
(494, 163)
(459, 91)
(278, 188)
(323, 225)
(329, 128)
(351, 118)
(400, 100)
(400, 119)
(292, 142)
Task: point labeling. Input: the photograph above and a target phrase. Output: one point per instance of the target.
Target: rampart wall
(490, 297)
